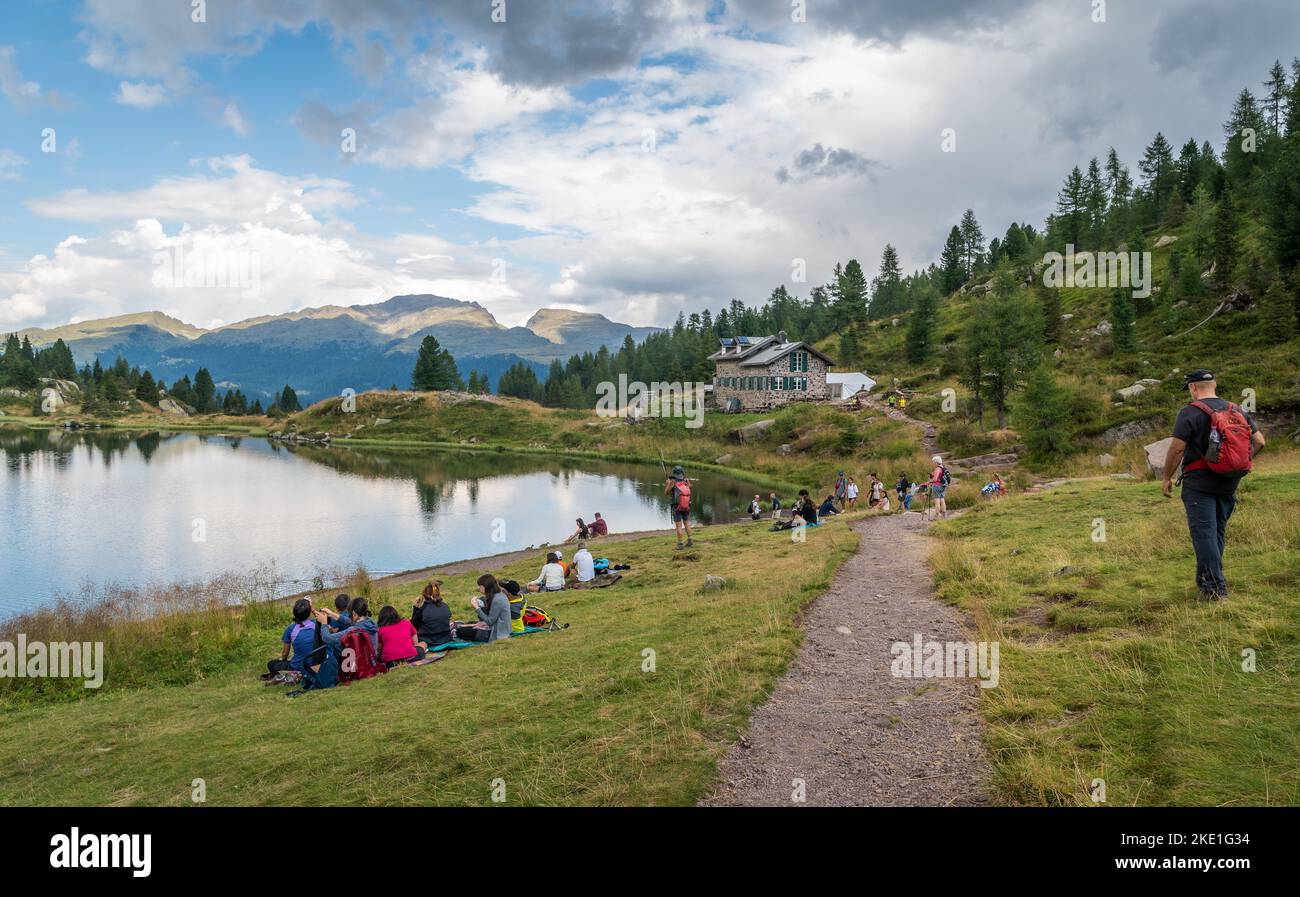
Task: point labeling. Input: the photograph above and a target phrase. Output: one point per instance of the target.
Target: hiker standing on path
(1215, 441)
(904, 490)
(678, 490)
(939, 480)
(841, 488)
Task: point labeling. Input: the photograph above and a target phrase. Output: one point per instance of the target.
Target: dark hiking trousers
(1207, 519)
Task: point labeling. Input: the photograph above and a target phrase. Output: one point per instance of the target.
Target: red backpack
(683, 495)
(357, 659)
(1228, 451)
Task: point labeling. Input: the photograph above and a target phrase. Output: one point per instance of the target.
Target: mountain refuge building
(756, 372)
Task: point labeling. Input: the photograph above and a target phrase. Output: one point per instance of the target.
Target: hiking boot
(1208, 595)
(690, 543)
(680, 546)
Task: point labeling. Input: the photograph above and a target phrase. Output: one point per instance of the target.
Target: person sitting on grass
(359, 610)
(344, 619)
(584, 565)
(581, 534)
(828, 507)
(398, 640)
(598, 526)
(299, 638)
(804, 512)
(431, 617)
(551, 579)
(493, 609)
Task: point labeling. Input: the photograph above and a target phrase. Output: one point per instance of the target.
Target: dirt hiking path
(839, 721)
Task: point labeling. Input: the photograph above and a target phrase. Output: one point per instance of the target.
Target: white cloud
(233, 119)
(141, 94)
(19, 91)
(10, 162)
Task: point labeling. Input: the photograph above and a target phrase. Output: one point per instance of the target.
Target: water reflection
(114, 506)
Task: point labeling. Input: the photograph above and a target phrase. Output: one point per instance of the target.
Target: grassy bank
(564, 718)
(1110, 667)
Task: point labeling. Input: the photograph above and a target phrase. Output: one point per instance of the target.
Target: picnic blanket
(454, 644)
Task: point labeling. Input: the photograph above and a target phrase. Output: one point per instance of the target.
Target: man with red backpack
(678, 490)
(1215, 441)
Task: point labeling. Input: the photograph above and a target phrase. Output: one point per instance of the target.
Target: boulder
(752, 431)
(713, 583)
(995, 459)
(1156, 452)
(785, 449)
(1165, 241)
(1103, 327)
(173, 407)
(10, 392)
(57, 393)
(380, 421)
(1106, 460)
(1141, 386)
(1131, 430)
(722, 459)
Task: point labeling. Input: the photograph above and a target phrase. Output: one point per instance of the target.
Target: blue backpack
(600, 565)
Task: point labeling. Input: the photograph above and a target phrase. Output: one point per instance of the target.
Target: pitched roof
(771, 353)
(739, 346)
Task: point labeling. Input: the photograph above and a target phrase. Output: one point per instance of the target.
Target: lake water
(129, 508)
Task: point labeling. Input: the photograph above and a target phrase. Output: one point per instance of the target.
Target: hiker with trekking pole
(1215, 442)
(678, 489)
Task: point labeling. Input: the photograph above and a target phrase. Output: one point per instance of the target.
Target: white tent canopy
(846, 386)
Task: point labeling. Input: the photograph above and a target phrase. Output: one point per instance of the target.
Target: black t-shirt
(1192, 426)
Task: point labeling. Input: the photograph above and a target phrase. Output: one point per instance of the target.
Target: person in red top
(398, 640)
(598, 527)
(939, 487)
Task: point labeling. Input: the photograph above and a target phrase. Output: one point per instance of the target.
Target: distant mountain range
(321, 351)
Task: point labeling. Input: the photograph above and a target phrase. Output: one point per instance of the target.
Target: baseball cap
(1198, 376)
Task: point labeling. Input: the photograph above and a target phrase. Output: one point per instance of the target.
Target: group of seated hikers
(585, 571)
(314, 644)
(588, 531)
(806, 512)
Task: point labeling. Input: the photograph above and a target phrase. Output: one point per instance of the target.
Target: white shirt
(853, 490)
(584, 566)
(551, 578)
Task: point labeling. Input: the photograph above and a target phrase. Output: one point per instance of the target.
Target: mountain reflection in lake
(131, 508)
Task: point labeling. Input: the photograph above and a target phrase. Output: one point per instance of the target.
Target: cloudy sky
(632, 158)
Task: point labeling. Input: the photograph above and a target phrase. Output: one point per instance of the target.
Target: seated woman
(431, 617)
(398, 640)
(359, 610)
(828, 507)
(493, 609)
(299, 638)
(344, 619)
(552, 576)
(805, 512)
(581, 534)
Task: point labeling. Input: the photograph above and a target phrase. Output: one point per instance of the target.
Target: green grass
(1113, 670)
(564, 718)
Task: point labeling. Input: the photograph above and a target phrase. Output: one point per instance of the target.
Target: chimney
(781, 338)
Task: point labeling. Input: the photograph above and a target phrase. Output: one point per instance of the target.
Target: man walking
(1215, 441)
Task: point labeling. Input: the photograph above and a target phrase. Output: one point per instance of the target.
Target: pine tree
(1051, 315)
(1224, 250)
(952, 267)
(435, 369)
(1094, 201)
(1042, 409)
(1157, 167)
(972, 238)
(1275, 94)
(1071, 211)
(1121, 315)
(147, 390)
(1243, 128)
(887, 289)
(850, 294)
(204, 392)
(288, 400)
(848, 348)
(1279, 313)
(919, 329)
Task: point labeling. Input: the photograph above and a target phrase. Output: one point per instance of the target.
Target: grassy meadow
(565, 717)
(1111, 668)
